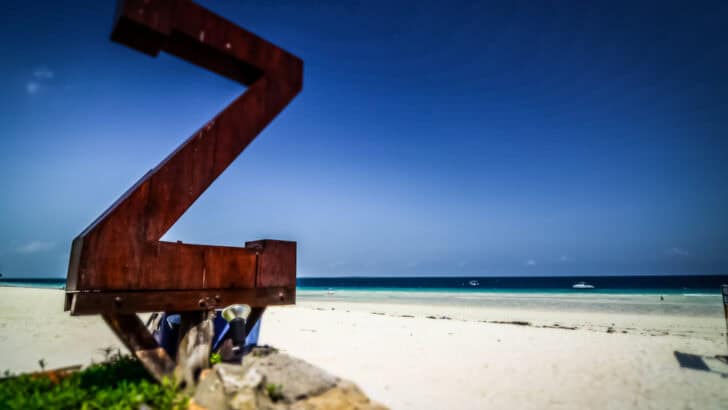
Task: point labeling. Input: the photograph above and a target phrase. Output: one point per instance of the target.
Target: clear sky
(430, 138)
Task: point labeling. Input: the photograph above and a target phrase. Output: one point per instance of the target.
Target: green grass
(274, 391)
(215, 358)
(120, 383)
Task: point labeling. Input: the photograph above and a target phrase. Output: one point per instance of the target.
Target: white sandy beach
(619, 356)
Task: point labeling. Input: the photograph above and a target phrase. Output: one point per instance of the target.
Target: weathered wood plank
(136, 337)
(276, 261)
(88, 303)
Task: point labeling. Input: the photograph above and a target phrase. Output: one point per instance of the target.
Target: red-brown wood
(121, 251)
(274, 260)
(86, 303)
(136, 337)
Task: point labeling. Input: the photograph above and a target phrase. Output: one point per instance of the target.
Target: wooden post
(136, 337)
(255, 314)
(193, 354)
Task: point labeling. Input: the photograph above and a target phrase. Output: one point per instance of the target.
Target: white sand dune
(402, 358)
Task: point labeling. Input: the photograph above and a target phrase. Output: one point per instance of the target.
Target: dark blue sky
(430, 138)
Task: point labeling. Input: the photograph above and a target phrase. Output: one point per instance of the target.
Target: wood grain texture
(121, 251)
(89, 303)
(136, 337)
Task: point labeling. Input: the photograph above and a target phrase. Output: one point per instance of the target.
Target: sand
(33, 326)
(620, 357)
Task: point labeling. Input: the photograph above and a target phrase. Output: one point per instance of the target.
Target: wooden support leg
(193, 354)
(136, 337)
(255, 314)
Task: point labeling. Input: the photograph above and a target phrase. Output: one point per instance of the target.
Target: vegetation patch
(215, 358)
(120, 383)
(274, 391)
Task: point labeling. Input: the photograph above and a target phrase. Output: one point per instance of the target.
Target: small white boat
(582, 285)
(474, 283)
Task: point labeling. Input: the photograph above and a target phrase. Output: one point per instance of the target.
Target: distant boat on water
(582, 285)
(474, 283)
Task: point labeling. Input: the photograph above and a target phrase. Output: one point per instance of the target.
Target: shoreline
(464, 291)
(548, 291)
(30, 286)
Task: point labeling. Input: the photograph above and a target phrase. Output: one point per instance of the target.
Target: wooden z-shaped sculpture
(118, 265)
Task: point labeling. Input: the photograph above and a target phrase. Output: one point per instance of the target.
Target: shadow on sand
(713, 364)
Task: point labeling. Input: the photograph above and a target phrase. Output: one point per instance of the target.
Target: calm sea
(34, 283)
(603, 284)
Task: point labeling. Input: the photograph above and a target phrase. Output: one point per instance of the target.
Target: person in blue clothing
(167, 333)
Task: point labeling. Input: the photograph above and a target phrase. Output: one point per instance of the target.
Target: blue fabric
(251, 339)
(166, 334)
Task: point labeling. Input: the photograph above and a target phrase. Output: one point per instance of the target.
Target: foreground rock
(272, 380)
